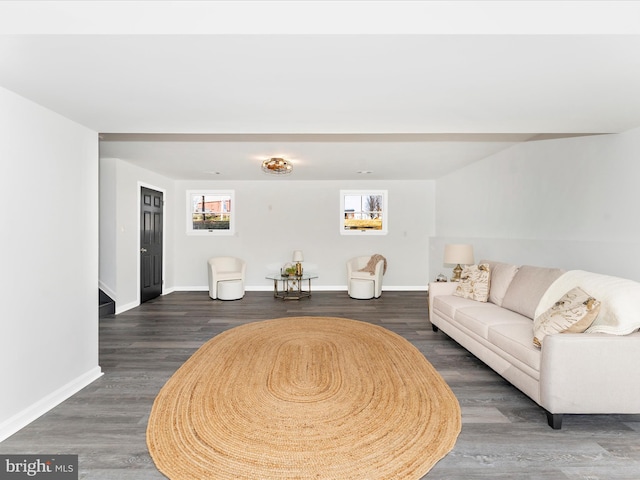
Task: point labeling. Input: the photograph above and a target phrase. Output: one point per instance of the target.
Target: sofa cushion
(501, 276)
(481, 317)
(474, 283)
(515, 339)
(574, 312)
(448, 304)
(527, 287)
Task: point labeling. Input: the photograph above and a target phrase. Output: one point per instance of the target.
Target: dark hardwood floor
(504, 435)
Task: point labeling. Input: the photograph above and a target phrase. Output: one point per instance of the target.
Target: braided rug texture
(303, 398)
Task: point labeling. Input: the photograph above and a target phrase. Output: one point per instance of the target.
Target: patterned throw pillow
(573, 313)
(474, 282)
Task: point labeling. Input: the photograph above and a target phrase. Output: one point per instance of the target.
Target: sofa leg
(554, 420)
(434, 328)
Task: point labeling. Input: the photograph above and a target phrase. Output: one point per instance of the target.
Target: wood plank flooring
(504, 435)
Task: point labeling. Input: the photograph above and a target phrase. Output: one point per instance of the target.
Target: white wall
(571, 203)
(108, 227)
(275, 217)
(120, 259)
(48, 289)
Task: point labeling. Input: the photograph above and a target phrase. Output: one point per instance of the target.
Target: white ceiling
(403, 106)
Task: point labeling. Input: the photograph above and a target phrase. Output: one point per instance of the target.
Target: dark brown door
(151, 207)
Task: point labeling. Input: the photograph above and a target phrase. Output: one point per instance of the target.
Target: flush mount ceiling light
(277, 166)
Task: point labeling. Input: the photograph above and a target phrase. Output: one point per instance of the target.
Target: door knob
(143, 250)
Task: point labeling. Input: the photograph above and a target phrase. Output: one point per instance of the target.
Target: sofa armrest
(440, 288)
(590, 373)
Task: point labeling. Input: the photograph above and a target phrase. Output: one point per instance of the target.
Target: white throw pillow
(501, 276)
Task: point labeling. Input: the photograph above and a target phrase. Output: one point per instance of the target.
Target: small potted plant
(287, 270)
(291, 270)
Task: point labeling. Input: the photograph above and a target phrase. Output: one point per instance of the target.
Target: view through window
(210, 212)
(363, 212)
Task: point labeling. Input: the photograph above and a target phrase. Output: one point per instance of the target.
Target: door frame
(164, 215)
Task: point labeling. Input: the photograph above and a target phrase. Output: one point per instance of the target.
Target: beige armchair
(364, 285)
(226, 278)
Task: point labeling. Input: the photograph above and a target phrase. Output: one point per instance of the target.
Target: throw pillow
(501, 276)
(573, 313)
(527, 288)
(474, 282)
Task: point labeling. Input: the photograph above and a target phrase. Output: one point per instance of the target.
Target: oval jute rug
(302, 398)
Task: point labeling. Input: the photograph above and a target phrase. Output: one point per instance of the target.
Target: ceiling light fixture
(277, 166)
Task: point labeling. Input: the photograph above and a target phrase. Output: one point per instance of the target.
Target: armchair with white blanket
(364, 276)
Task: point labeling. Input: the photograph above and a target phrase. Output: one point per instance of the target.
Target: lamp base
(457, 271)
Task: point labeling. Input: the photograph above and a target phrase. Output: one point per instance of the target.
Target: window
(210, 212)
(363, 212)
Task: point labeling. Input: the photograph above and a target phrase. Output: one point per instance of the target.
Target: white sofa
(595, 372)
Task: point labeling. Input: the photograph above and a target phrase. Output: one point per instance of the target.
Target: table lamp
(297, 257)
(458, 254)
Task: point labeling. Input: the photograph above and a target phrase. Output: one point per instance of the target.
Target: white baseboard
(405, 288)
(107, 290)
(263, 288)
(268, 288)
(198, 288)
(315, 288)
(31, 413)
(125, 307)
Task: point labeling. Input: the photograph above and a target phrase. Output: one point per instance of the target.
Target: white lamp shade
(458, 254)
(297, 256)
